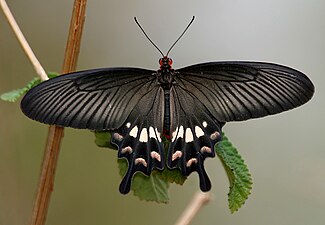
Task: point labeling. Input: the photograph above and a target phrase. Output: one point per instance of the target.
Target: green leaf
(172, 176)
(238, 174)
(103, 139)
(52, 74)
(14, 95)
(149, 188)
(155, 186)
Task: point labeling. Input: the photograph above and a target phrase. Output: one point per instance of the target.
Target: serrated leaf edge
(234, 174)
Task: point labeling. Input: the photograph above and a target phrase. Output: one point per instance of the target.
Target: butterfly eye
(170, 62)
(161, 61)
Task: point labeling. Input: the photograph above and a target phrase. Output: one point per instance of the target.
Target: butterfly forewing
(99, 99)
(235, 91)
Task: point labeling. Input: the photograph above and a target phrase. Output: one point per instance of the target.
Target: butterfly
(187, 106)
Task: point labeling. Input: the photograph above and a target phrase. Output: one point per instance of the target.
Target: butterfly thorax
(166, 73)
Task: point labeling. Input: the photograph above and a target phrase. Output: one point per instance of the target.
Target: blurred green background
(285, 153)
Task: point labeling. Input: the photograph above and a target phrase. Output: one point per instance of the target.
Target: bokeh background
(285, 153)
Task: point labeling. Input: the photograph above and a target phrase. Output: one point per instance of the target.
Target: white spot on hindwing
(205, 149)
(158, 134)
(143, 135)
(155, 155)
(198, 131)
(204, 124)
(127, 149)
(188, 135)
(140, 160)
(134, 132)
(128, 124)
(174, 134)
(191, 161)
(180, 132)
(117, 136)
(215, 135)
(176, 155)
(152, 133)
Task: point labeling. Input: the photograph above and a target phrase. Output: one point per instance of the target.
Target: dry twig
(198, 201)
(21, 39)
(55, 133)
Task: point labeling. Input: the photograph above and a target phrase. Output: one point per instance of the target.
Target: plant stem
(46, 181)
(74, 38)
(55, 133)
(198, 201)
(21, 39)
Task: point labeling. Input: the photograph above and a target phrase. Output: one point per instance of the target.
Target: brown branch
(74, 38)
(198, 201)
(46, 181)
(55, 133)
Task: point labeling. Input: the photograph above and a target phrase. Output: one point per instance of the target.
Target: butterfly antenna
(181, 35)
(135, 19)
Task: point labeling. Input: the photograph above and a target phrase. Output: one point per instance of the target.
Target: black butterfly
(189, 106)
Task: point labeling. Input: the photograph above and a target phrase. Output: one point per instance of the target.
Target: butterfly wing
(195, 131)
(236, 91)
(139, 139)
(98, 99)
(127, 101)
(205, 96)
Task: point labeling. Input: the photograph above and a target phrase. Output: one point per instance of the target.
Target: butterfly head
(165, 63)
(166, 73)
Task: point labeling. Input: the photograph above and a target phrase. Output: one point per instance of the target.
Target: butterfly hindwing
(194, 132)
(235, 91)
(98, 99)
(139, 139)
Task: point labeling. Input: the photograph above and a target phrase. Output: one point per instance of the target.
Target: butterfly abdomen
(166, 126)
